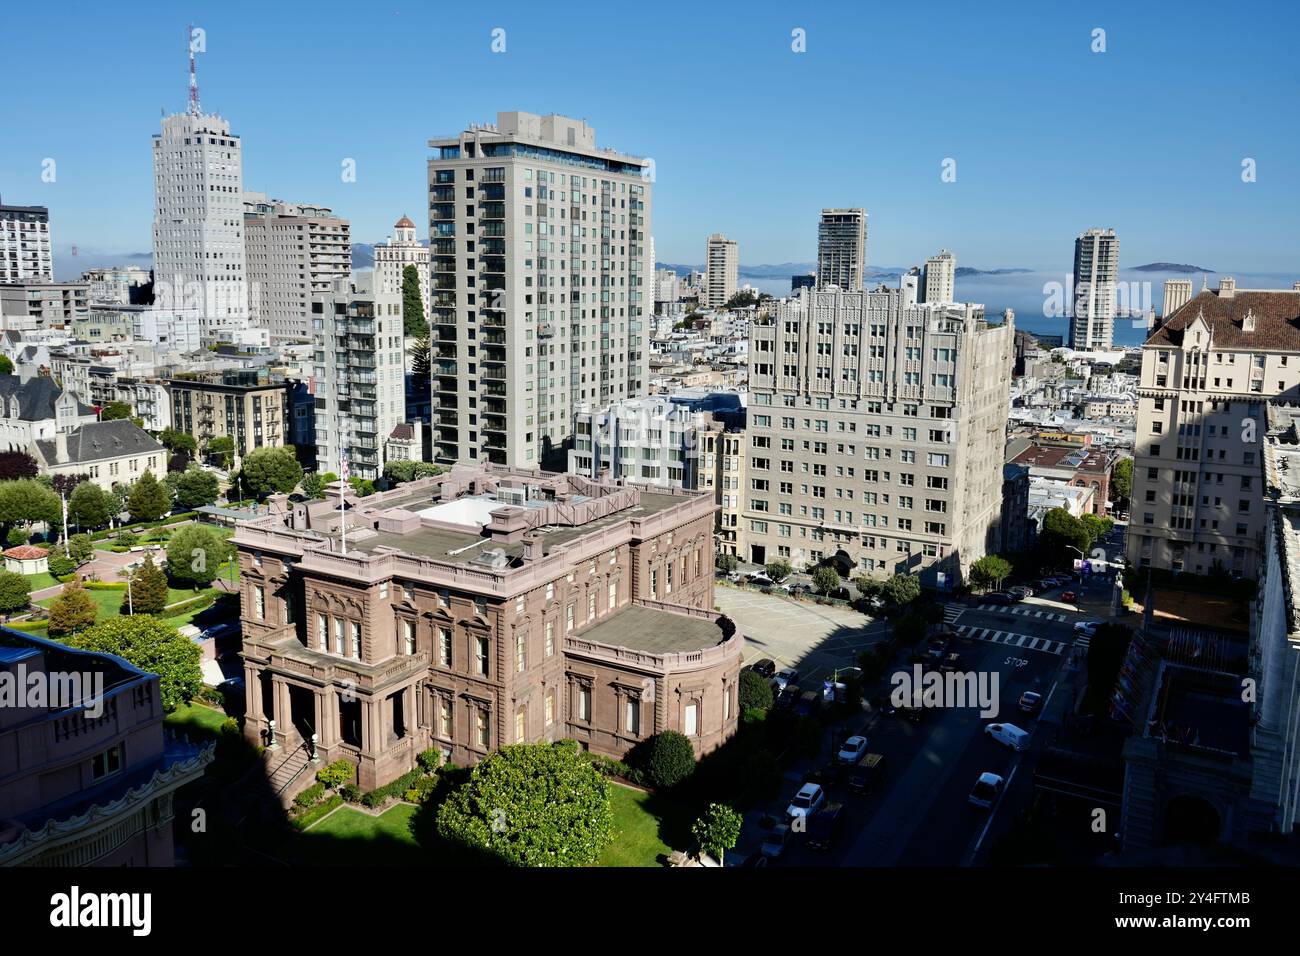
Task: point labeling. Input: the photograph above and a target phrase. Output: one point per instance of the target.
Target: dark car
(866, 773)
(999, 597)
(807, 704)
(787, 698)
(766, 668)
(825, 826)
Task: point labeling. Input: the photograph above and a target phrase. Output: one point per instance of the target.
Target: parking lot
(815, 638)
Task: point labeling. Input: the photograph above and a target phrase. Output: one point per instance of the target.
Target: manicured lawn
(636, 830)
(348, 837)
(197, 721)
(109, 602)
(42, 580)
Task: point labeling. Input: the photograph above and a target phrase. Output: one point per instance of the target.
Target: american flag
(343, 465)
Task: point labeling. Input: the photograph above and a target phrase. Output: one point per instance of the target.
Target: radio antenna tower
(194, 79)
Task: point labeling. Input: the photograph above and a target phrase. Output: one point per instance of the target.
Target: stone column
(280, 700)
(328, 728)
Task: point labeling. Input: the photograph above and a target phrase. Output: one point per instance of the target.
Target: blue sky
(748, 137)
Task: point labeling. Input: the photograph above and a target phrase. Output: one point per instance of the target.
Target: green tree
(532, 805)
(114, 411)
(1096, 526)
(73, 610)
(421, 349)
(869, 587)
(1121, 481)
(17, 464)
(223, 449)
(89, 506)
(755, 692)
(178, 441)
(26, 501)
(194, 555)
(15, 592)
(6, 365)
(1062, 537)
(270, 470)
(193, 487)
(413, 323)
(400, 471)
(60, 565)
(148, 590)
(669, 758)
(910, 628)
(718, 830)
(81, 547)
(779, 569)
(364, 487)
(990, 571)
(902, 589)
(825, 579)
(151, 645)
(149, 499)
(742, 299)
(727, 563)
(313, 485)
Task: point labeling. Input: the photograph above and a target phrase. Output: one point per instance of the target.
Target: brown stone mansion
(483, 607)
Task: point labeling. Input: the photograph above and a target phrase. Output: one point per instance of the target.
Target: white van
(1009, 734)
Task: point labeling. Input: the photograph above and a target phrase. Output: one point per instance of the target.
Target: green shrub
(336, 774)
(429, 760)
(230, 727)
(351, 793)
(60, 565)
(310, 816)
(310, 797)
(608, 766)
(381, 795)
(422, 790)
(193, 604)
(669, 759)
(755, 692)
(105, 585)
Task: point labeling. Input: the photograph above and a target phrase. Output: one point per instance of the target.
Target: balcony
(443, 366)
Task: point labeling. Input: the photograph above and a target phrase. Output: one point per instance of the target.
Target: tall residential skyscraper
(940, 277)
(842, 248)
(198, 223)
(876, 429)
(722, 266)
(25, 244)
(392, 258)
(1207, 374)
(360, 376)
(293, 252)
(1096, 266)
(540, 244)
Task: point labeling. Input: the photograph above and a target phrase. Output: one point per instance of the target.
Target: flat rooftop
(654, 632)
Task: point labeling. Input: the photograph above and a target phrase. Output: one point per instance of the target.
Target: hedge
(193, 604)
(105, 585)
(381, 795)
(113, 532)
(310, 816)
(310, 797)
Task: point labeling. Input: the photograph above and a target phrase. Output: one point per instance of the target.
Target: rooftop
(1275, 315)
(654, 632)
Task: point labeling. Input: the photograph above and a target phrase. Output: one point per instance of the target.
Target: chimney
(1295, 286)
(532, 551)
(1227, 287)
(1248, 323)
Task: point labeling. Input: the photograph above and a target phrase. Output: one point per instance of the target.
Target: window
(356, 640)
(634, 717)
(484, 730)
(259, 603)
(323, 631)
(549, 704)
(408, 633)
(481, 655)
(692, 721)
(568, 617)
(444, 717)
(550, 638)
(107, 763)
(339, 625)
(612, 599)
(521, 639)
(444, 646)
(584, 704)
(521, 722)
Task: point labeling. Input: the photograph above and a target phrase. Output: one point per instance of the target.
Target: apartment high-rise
(1208, 373)
(722, 268)
(360, 376)
(293, 252)
(198, 225)
(940, 278)
(842, 248)
(876, 430)
(392, 257)
(541, 285)
(1096, 268)
(25, 244)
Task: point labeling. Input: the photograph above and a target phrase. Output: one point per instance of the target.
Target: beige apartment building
(722, 270)
(1208, 373)
(842, 248)
(540, 246)
(876, 429)
(250, 410)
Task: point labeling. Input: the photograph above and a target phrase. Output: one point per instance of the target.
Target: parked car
(1069, 596)
(808, 703)
(1031, 701)
(734, 577)
(866, 773)
(764, 668)
(1086, 628)
(760, 579)
(787, 698)
(1023, 590)
(1009, 734)
(882, 705)
(825, 825)
(986, 790)
(876, 604)
(775, 842)
(999, 597)
(853, 749)
(785, 677)
(807, 801)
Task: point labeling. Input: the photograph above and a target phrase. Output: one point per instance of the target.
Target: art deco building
(483, 607)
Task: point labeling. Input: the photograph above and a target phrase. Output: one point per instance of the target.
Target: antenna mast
(194, 79)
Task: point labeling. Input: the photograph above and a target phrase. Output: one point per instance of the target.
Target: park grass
(109, 602)
(41, 580)
(637, 839)
(348, 837)
(196, 721)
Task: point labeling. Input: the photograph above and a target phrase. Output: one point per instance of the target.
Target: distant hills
(784, 270)
(1170, 267)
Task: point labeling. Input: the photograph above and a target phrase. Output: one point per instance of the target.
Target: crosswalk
(1023, 610)
(1082, 640)
(1024, 641)
(951, 612)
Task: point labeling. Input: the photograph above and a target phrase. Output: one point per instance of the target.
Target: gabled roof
(1276, 314)
(36, 397)
(99, 441)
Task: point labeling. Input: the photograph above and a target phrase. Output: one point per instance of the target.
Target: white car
(1087, 628)
(986, 790)
(761, 579)
(806, 802)
(852, 750)
(1008, 734)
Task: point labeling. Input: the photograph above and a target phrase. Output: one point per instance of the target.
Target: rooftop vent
(494, 558)
(1248, 322)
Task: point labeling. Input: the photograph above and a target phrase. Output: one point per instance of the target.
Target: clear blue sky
(748, 137)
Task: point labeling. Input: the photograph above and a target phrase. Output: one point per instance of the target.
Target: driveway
(815, 638)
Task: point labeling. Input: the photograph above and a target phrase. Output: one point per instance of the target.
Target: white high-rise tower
(198, 226)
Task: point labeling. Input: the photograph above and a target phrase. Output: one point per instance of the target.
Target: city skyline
(1018, 170)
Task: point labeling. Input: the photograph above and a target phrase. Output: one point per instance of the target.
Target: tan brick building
(252, 411)
(479, 608)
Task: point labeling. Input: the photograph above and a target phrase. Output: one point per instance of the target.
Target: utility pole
(67, 553)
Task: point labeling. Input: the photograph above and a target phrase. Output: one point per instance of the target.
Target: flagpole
(343, 481)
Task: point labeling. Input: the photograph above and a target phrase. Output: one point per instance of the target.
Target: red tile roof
(1277, 320)
(26, 552)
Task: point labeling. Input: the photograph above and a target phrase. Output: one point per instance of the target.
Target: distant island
(968, 271)
(1170, 267)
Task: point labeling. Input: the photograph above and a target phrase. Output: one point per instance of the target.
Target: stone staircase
(288, 776)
